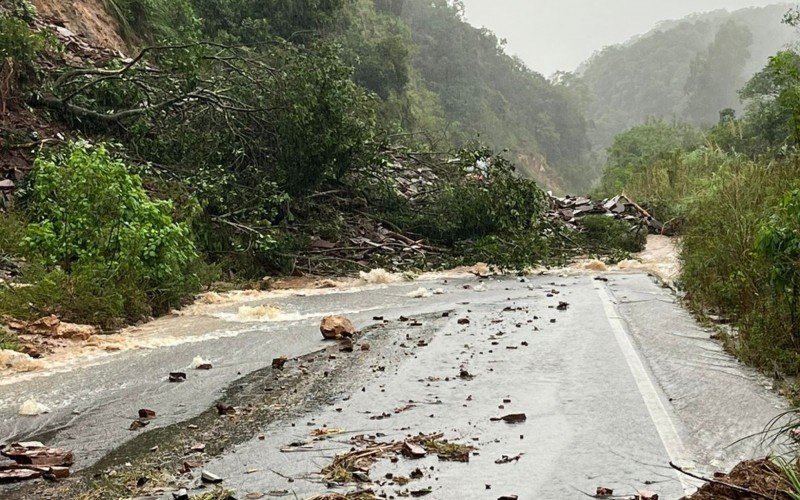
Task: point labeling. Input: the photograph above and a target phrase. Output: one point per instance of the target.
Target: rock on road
(613, 388)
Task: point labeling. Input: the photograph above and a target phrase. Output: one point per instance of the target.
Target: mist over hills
(687, 69)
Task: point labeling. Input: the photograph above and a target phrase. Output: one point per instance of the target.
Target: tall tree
(718, 73)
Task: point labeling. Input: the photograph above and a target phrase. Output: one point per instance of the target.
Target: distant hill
(688, 69)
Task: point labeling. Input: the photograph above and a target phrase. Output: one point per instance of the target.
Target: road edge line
(647, 389)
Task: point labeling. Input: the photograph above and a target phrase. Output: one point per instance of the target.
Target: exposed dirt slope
(89, 18)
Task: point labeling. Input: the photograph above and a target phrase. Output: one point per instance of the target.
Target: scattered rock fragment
(646, 495)
(145, 413)
(602, 491)
(210, 477)
(334, 327)
(346, 345)
(31, 408)
(505, 459)
(413, 450)
(198, 447)
(278, 363)
(11, 474)
(177, 377)
(365, 346)
(513, 418)
(198, 363)
(181, 494)
(35, 453)
(139, 424)
(562, 306)
(224, 409)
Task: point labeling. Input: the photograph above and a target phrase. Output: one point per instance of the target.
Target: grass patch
(8, 340)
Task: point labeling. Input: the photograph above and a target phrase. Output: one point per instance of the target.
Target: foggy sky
(551, 35)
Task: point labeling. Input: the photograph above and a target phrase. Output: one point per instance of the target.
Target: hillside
(688, 69)
(152, 147)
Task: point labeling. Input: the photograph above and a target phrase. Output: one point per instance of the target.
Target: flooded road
(614, 385)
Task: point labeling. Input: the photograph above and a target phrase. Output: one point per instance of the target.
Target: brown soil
(761, 477)
(88, 18)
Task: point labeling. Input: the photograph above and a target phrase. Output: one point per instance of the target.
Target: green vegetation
(685, 70)
(241, 131)
(96, 247)
(733, 191)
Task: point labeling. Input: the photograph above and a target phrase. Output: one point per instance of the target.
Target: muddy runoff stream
(543, 385)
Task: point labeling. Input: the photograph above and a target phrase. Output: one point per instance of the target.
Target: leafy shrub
(20, 47)
(635, 150)
(778, 242)
(606, 234)
(19, 41)
(484, 197)
(724, 270)
(12, 228)
(100, 248)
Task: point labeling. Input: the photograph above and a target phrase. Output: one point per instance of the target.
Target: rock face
(335, 327)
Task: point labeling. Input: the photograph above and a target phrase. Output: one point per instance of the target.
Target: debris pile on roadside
(41, 337)
(750, 479)
(365, 243)
(571, 209)
(33, 460)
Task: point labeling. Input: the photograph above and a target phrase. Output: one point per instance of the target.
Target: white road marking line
(655, 405)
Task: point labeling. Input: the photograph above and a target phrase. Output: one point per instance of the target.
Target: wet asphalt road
(619, 385)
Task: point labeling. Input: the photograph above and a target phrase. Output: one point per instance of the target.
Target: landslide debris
(33, 460)
(336, 327)
(749, 480)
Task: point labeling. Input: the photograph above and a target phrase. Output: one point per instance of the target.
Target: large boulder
(335, 327)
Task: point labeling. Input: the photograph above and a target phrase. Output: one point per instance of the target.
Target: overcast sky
(551, 35)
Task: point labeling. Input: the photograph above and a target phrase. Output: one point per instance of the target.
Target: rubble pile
(570, 209)
(32, 460)
(368, 242)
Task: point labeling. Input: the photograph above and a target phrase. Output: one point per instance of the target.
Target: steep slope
(88, 18)
(486, 92)
(688, 69)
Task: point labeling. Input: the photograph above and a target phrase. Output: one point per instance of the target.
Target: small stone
(145, 413)
(210, 477)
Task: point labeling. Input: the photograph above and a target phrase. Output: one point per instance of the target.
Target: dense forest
(167, 144)
(688, 70)
(731, 191)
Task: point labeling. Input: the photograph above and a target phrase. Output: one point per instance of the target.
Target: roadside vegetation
(732, 193)
(246, 138)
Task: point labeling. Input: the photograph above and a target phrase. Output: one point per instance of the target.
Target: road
(613, 388)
